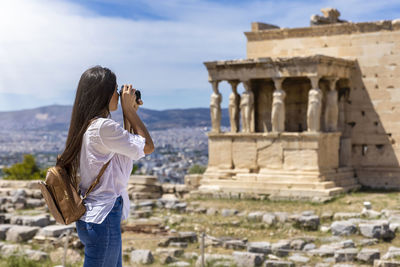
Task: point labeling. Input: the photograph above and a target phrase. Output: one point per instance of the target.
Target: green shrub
(134, 169)
(26, 170)
(197, 169)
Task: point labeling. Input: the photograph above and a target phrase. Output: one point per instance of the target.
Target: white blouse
(105, 139)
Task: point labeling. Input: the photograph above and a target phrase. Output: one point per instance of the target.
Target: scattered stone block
(394, 226)
(179, 244)
(347, 244)
(346, 215)
(2, 218)
(190, 255)
(36, 255)
(216, 260)
(255, 216)
(367, 205)
(297, 244)
(55, 230)
(229, 212)
(281, 248)
(298, 258)
(9, 249)
(165, 259)
(142, 256)
(323, 251)
(234, 244)
(368, 242)
(325, 228)
(259, 247)
(394, 219)
(346, 254)
(247, 259)
(179, 264)
(377, 229)
(200, 210)
(212, 211)
(309, 247)
(189, 237)
(32, 203)
(343, 228)
(3, 230)
(19, 193)
(368, 255)
(384, 263)
(310, 223)
(37, 220)
(393, 252)
(272, 263)
(326, 216)
(282, 217)
(181, 206)
(269, 219)
(173, 252)
(19, 233)
(371, 214)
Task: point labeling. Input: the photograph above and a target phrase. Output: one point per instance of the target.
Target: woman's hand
(128, 98)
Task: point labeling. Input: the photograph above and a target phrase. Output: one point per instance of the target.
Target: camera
(137, 93)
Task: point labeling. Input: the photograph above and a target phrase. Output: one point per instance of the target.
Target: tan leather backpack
(61, 196)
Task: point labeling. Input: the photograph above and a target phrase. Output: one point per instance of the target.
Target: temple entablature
(262, 68)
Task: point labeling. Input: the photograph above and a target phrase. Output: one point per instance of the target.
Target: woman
(93, 140)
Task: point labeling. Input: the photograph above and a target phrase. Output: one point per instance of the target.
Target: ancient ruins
(318, 115)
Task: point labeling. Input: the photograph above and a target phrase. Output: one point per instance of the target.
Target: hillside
(57, 117)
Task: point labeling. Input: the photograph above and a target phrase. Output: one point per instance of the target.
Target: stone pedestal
(285, 164)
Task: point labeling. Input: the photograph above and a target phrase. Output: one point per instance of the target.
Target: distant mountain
(57, 117)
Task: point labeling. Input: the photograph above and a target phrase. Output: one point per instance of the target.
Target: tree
(26, 170)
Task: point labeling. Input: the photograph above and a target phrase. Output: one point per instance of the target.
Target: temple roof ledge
(274, 134)
(316, 57)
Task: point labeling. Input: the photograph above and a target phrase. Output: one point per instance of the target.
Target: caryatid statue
(278, 107)
(332, 108)
(215, 108)
(314, 106)
(247, 109)
(234, 102)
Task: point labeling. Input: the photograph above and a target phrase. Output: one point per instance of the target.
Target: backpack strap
(93, 185)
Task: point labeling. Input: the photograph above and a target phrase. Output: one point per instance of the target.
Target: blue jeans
(103, 243)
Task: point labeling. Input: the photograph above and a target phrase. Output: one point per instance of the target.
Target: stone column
(215, 108)
(234, 102)
(278, 107)
(314, 106)
(247, 108)
(332, 107)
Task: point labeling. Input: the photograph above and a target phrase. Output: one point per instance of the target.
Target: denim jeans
(103, 243)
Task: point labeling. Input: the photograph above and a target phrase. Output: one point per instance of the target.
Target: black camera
(137, 93)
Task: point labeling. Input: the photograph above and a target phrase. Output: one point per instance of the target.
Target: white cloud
(45, 45)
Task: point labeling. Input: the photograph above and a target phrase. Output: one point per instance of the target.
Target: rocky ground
(358, 229)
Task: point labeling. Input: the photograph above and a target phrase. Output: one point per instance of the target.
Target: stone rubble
(336, 249)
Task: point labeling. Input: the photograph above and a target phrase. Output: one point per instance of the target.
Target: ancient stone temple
(319, 114)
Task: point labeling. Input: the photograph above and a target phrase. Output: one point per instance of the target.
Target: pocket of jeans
(95, 232)
(117, 204)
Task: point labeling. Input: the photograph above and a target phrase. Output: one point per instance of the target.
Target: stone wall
(372, 105)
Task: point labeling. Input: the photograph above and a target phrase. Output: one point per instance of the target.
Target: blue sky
(158, 46)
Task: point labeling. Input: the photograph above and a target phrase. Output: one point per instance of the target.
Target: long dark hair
(95, 90)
